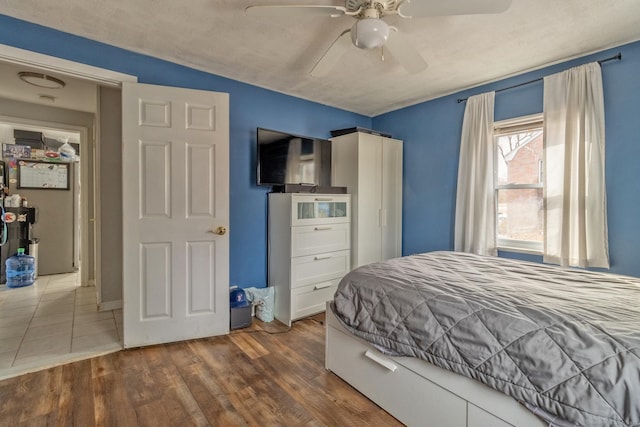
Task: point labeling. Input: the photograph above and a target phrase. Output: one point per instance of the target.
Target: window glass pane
(520, 158)
(520, 214)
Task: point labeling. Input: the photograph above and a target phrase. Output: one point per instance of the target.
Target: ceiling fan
(370, 31)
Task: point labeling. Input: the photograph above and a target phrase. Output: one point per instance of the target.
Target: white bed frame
(418, 393)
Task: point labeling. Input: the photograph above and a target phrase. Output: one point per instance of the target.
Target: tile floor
(51, 322)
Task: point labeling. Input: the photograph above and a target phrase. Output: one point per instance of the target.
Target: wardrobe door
(391, 205)
(369, 199)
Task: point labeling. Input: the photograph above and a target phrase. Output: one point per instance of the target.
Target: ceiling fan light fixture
(369, 33)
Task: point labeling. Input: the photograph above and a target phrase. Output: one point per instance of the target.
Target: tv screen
(284, 158)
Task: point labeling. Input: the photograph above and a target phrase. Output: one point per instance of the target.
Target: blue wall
(250, 107)
(431, 133)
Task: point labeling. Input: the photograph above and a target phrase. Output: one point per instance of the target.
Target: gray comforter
(565, 341)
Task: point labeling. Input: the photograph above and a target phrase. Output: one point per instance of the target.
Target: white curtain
(576, 208)
(475, 229)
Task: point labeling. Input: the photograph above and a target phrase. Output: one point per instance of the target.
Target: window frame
(509, 127)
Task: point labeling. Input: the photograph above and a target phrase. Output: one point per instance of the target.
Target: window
(519, 184)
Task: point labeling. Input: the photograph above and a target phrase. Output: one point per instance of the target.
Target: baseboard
(110, 305)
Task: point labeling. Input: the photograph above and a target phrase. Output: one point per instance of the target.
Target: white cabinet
(309, 250)
(370, 166)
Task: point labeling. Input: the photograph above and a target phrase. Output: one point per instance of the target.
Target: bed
(456, 339)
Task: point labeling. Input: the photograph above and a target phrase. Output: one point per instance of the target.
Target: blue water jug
(20, 270)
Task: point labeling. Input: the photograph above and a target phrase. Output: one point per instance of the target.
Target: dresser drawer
(308, 209)
(318, 239)
(312, 299)
(307, 270)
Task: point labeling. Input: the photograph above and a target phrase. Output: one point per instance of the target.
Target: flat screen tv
(284, 158)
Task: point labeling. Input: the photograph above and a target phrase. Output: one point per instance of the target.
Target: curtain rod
(617, 57)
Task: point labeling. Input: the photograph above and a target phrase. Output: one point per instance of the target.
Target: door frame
(100, 76)
(84, 177)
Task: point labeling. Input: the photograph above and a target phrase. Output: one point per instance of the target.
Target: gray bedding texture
(566, 341)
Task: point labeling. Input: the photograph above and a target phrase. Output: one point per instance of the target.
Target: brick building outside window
(519, 184)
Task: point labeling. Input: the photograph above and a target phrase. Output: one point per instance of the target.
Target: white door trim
(84, 177)
(97, 75)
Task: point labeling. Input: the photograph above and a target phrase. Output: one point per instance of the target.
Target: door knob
(221, 231)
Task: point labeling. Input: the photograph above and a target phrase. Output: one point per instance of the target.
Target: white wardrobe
(370, 166)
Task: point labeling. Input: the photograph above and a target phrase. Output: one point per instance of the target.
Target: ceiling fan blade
(294, 10)
(452, 7)
(400, 48)
(331, 57)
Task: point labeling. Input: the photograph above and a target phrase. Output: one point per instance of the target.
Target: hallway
(54, 321)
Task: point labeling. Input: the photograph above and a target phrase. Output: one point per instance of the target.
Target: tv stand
(306, 188)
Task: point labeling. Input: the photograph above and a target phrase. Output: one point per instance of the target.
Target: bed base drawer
(413, 400)
(416, 392)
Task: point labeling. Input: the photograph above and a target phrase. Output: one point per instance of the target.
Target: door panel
(391, 198)
(201, 259)
(155, 177)
(155, 263)
(369, 199)
(199, 186)
(175, 193)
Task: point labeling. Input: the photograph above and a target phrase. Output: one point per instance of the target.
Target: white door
(175, 213)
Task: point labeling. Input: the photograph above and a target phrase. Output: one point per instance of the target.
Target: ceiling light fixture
(41, 80)
(369, 33)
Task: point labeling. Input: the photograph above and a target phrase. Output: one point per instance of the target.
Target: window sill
(520, 250)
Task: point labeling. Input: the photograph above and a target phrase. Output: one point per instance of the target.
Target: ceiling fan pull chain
(382, 53)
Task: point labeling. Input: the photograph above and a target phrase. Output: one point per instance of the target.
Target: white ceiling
(277, 53)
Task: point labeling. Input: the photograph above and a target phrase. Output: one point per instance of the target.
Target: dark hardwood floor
(259, 376)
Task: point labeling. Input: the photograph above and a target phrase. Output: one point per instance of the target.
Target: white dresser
(309, 250)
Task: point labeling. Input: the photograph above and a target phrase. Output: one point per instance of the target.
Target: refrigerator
(55, 228)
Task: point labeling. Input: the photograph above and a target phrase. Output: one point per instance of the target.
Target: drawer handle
(380, 361)
(320, 257)
(323, 199)
(324, 286)
(322, 228)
